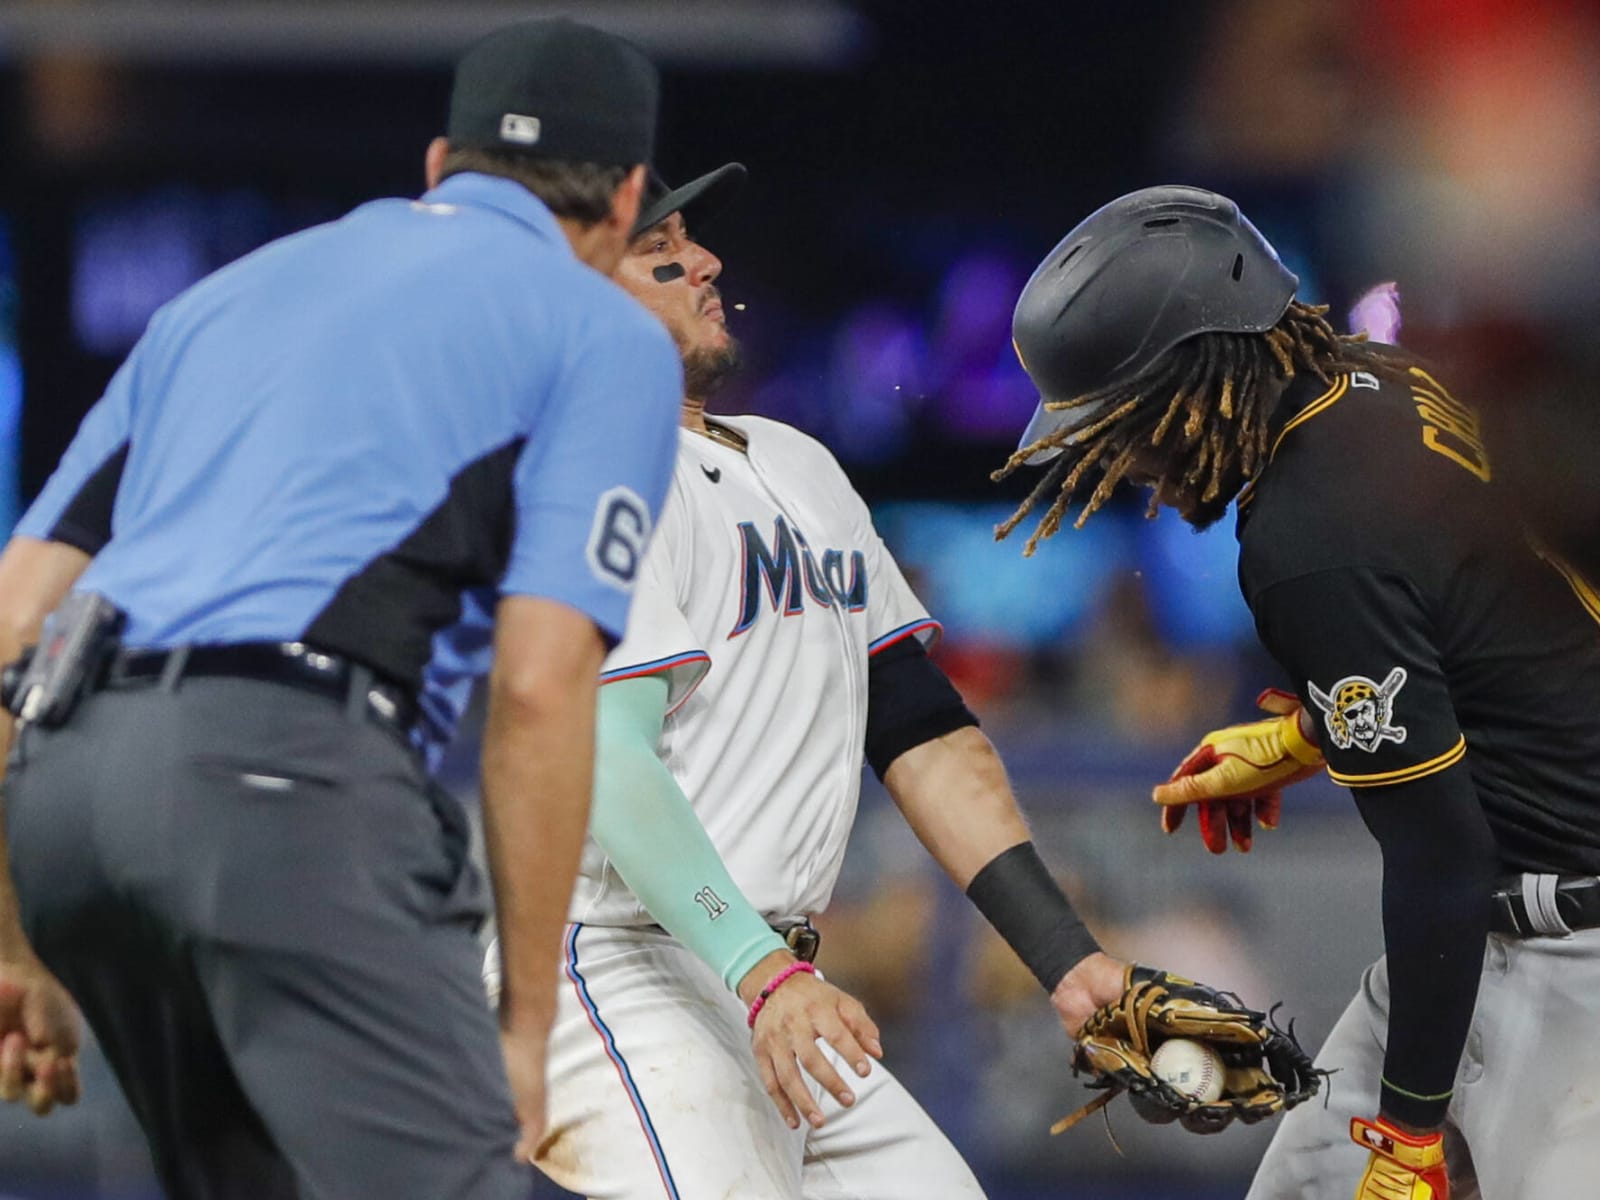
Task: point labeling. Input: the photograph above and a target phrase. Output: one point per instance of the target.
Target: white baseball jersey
(763, 594)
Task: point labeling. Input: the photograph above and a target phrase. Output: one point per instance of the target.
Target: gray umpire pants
(1524, 1123)
(267, 914)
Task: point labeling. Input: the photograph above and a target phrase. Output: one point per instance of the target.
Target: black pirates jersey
(1420, 623)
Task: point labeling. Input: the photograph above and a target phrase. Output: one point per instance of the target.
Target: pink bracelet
(777, 981)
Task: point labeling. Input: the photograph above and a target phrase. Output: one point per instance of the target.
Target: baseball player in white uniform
(773, 643)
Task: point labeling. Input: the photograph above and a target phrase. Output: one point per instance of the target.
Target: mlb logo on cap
(524, 131)
(595, 95)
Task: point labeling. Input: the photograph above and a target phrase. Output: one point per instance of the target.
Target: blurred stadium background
(910, 163)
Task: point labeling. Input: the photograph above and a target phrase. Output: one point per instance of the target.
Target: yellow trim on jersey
(1443, 414)
(1581, 587)
(1405, 774)
(1321, 404)
(1432, 382)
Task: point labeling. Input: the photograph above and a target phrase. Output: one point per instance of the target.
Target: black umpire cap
(556, 89)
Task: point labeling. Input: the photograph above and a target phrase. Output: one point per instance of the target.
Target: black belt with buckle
(1545, 905)
(802, 939)
(293, 663)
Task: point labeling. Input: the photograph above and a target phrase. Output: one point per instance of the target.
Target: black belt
(1545, 905)
(296, 664)
(802, 939)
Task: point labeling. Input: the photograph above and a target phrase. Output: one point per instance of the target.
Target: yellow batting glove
(1403, 1166)
(1238, 773)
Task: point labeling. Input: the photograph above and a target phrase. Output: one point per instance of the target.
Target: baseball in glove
(1265, 1073)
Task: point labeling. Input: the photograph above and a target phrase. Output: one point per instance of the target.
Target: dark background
(910, 163)
(938, 136)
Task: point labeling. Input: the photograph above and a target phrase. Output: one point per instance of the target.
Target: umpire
(223, 840)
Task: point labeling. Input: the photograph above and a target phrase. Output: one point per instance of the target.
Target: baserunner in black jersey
(1447, 668)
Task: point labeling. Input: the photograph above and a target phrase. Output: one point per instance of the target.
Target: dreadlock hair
(1197, 420)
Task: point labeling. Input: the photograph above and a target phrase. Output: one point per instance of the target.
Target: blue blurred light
(135, 251)
(986, 592)
(10, 383)
(1193, 581)
(132, 257)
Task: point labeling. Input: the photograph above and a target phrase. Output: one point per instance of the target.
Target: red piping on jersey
(660, 666)
(905, 631)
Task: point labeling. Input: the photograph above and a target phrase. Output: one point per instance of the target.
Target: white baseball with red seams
(1191, 1067)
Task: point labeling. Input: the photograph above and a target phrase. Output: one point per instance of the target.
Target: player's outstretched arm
(953, 792)
(950, 784)
(947, 780)
(650, 833)
(38, 1021)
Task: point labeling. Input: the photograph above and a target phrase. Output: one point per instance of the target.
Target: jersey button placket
(841, 618)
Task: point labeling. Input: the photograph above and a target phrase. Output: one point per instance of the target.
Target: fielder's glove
(1240, 771)
(1402, 1165)
(1265, 1070)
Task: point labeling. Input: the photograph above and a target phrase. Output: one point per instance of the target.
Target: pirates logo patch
(1359, 712)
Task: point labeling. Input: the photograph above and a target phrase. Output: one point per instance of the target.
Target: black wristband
(1016, 894)
(1419, 1112)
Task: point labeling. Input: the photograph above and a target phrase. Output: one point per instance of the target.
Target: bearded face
(674, 276)
(1362, 720)
(705, 369)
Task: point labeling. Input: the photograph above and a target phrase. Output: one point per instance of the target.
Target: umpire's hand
(38, 1038)
(524, 1049)
(787, 1028)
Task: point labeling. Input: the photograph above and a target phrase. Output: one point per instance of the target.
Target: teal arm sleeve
(646, 826)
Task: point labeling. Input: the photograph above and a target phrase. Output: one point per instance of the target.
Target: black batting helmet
(1132, 281)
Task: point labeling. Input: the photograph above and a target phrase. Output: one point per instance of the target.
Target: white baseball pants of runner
(1524, 1123)
(654, 1095)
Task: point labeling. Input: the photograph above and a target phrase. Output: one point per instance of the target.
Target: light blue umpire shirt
(341, 437)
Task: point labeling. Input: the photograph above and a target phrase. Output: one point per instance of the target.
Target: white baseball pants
(654, 1095)
(1524, 1123)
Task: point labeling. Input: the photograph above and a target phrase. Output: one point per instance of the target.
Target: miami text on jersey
(790, 572)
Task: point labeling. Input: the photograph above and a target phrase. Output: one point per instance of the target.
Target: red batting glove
(1402, 1166)
(1238, 773)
